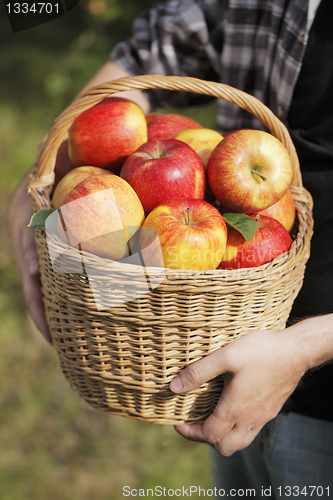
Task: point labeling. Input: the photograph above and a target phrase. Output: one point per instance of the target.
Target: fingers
(192, 432)
(24, 246)
(224, 430)
(33, 295)
(31, 282)
(205, 433)
(30, 251)
(198, 373)
(29, 270)
(221, 422)
(256, 375)
(227, 437)
(234, 440)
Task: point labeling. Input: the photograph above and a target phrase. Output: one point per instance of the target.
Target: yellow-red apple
(191, 233)
(270, 240)
(203, 141)
(225, 134)
(283, 210)
(162, 170)
(107, 133)
(162, 127)
(249, 171)
(70, 180)
(100, 215)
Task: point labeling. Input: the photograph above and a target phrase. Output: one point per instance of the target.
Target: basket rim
(43, 175)
(42, 178)
(275, 268)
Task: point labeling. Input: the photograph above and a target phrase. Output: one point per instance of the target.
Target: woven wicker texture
(122, 358)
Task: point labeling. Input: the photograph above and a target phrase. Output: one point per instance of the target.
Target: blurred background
(52, 444)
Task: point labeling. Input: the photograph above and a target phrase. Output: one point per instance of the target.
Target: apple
(203, 141)
(162, 127)
(283, 210)
(151, 116)
(225, 134)
(160, 170)
(63, 165)
(191, 233)
(70, 180)
(100, 215)
(270, 240)
(249, 171)
(107, 133)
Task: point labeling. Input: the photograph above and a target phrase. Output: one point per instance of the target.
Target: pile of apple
(166, 185)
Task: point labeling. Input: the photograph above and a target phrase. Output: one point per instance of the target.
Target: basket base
(160, 407)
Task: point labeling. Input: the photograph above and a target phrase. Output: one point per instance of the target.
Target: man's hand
(260, 371)
(25, 251)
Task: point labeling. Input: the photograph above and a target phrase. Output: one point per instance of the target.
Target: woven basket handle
(44, 174)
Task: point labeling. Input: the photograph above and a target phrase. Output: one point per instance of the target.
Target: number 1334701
(306, 491)
(35, 8)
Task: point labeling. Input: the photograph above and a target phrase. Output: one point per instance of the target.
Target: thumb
(30, 251)
(199, 372)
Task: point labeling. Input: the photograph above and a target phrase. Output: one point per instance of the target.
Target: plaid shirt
(254, 45)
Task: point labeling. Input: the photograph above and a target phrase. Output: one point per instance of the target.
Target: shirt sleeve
(179, 37)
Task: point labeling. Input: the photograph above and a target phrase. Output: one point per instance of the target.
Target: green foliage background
(53, 446)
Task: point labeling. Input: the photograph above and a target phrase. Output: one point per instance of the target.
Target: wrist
(312, 340)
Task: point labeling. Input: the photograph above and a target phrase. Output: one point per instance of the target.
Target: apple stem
(262, 177)
(156, 151)
(188, 216)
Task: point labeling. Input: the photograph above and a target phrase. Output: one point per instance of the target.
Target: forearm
(313, 340)
(111, 71)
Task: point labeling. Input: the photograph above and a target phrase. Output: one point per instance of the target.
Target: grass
(53, 445)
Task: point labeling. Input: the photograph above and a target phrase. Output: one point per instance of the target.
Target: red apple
(162, 127)
(151, 116)
(161, 170)
(70, 180)
(249, 171)
(191, 233)
(100, 215)
(63, 165)
(270, 240)
(107, 133)
(283, 210)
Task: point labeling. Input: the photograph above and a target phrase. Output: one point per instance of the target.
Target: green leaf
(38, 219)
(242, 223)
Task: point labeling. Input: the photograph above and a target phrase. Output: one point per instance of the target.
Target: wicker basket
(122, 359)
